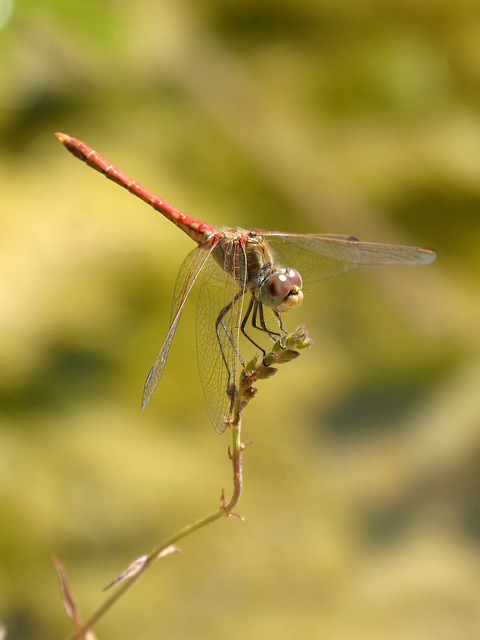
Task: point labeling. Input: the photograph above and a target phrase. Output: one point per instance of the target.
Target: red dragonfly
(245, 273)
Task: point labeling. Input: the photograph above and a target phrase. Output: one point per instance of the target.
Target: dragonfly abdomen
(195, 229)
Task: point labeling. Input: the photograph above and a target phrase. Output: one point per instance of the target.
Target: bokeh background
(362, 484)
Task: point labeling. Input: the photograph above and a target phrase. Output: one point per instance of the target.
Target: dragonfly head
(282, 290)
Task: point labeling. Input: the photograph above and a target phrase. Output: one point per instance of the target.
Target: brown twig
(284, 350)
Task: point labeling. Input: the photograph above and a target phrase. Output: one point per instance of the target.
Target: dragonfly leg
(252, 310)
(263, 324)
(279, 320)
(220, 325)
(255, 312)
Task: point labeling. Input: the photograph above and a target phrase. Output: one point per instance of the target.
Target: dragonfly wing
(217, 353)
(322, 256)
(189, 271)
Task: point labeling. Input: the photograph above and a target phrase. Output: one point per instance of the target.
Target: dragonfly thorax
(281, 289)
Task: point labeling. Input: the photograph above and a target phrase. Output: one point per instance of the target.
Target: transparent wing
(217, 353)
(317, 257)
(189, 271)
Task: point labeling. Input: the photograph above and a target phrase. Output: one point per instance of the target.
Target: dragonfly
(246, 277)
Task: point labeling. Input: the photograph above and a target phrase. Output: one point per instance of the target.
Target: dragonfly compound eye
(282, 290)
(295, 278)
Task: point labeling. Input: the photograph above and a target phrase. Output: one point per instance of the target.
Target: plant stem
(225, 510)
(283, 350)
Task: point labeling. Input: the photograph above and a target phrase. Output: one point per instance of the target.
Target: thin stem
(225, 510)
(282, 351)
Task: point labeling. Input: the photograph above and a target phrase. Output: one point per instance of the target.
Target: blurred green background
(362, 498)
